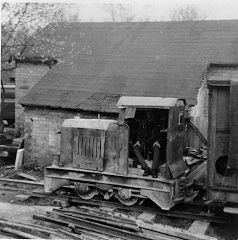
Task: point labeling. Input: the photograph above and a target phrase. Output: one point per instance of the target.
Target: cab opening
(161, 118)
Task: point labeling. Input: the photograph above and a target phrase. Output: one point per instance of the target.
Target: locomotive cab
(96, 154)
(169, 115)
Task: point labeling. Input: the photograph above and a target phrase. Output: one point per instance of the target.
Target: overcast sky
(159, 10)
(153, 10)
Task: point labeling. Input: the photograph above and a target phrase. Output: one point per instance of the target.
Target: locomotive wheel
(89, 195)
(128, 201)
(85, 192)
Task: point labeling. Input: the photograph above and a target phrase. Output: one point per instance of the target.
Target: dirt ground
(21, 213)
(15, 210)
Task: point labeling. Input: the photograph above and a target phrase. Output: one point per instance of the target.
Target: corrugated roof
(104, 61)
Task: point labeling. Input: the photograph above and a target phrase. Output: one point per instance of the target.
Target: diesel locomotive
(96, 155)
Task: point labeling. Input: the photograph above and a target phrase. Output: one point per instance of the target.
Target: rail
(39, 192)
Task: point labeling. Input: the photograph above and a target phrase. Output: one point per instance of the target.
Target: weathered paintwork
(163, 188)
(175, 137)
(222, 174)
(116, 149)
(93, 144)
(233, 148)
(95, 153)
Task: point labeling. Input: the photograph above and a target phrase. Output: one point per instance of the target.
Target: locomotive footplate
(159, 190)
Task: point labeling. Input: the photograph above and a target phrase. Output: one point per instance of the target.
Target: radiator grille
(89, 146)
(88, 150)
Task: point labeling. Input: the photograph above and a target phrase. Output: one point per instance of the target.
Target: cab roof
(149, 102)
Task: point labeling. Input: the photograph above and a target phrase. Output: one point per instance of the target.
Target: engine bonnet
(100, 124)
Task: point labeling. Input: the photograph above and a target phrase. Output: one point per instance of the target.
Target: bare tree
(119, 12)
(187, 13)
(111, 10)
(20, 22)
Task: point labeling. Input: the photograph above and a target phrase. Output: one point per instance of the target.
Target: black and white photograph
(119, 120)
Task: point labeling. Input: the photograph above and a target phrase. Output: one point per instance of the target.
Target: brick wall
(27, 75)
(199, 116)
(42, 133)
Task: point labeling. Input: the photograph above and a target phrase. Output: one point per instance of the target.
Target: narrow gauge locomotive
(96, 155)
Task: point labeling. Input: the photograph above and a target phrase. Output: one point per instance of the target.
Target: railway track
(112, 224)
(87, 219)
(18, 182)
(36, 189)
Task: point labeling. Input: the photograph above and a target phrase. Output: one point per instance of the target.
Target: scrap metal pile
(196, 160)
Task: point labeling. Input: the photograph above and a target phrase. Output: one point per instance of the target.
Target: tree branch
(18, 22)
(4, 5)
(8, 69)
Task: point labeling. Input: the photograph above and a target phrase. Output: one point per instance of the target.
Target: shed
(100, 62)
